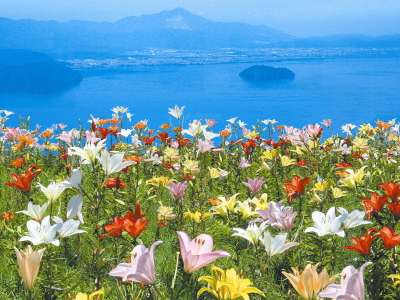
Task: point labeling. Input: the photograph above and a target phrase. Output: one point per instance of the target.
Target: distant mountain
(344, 41)
(23, 71)
(177, 29)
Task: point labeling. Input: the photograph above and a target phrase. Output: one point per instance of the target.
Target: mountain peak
(178, 11)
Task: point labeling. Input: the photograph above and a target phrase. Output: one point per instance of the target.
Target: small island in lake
(24, 71)
(262, 74)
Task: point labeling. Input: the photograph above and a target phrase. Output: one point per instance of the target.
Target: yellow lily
(287, 161)
(395, 278)
(97, 295)
(159, 181)
(225, 205)
(309, 282)
(269, 154)
(338, 193)
(228, 285)
(353, 178)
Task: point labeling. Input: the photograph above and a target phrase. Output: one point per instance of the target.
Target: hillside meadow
(119, 209)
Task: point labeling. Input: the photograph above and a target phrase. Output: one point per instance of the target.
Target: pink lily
(350, 287)
(141, 269)
(198, 253)
(178, 189)
(254, 185)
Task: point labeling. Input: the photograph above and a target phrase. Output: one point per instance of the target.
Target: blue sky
(298, 17)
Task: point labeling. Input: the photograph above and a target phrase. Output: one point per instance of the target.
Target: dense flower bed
(122, 211)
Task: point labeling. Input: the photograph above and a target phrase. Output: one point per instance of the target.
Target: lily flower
(224, 205)
(176, 111)
(89, 153)
(227, 284)
(252, 233)
(132, 222)
(394, 208)
(276, 244)
(29, 264)
(36, 212)
(74, 180)
(389, 237)
(53, 191)
(254, 185)
(96, 295)
(178, 189)
(69, 228)
(309, 282)
(295, 187)
(374, 204)
(353, 178)
(352, 219)
(363, 243)
(115, 183)
(41, 233)
(351, 285)
(326, 224)
(198, 253)
(113, 163)
(141, 268)
(391, 189)
(74, 208)
(23, 182)
(204, 146)
(278, 216)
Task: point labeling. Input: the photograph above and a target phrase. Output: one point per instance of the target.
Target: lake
(344, 89)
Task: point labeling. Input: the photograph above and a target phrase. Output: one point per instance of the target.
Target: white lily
(209, 135)
(232, 120)
(353, 219)
(74, 208)
(89, 153)
(7, 113)
(69, 227)
(113, 163)
(252, 233)
(74, 180)
(36, 212)
(41, 233)
(276, 244)
(53, 191)
(176, 111)
(135, 140)
(326, 224)
(195, 128)
(125, 132)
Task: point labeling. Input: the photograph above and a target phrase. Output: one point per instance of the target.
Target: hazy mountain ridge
(169, 29)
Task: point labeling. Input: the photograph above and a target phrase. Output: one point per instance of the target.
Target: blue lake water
(343, 89)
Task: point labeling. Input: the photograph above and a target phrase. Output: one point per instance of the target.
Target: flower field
(119, 209)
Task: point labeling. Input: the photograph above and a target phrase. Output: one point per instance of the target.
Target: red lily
(373, 204)
(295, 187)
(182, 142)
(18, 162)
(163, 136)
(389, 237)
(116, 183)
(363, 243)
(23, 182)
(391, 189)
(148, 140)
(343, 165)
(132, 222)
(248, 146)
(394, 208)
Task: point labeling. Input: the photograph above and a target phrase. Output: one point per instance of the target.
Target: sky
(297, 17)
